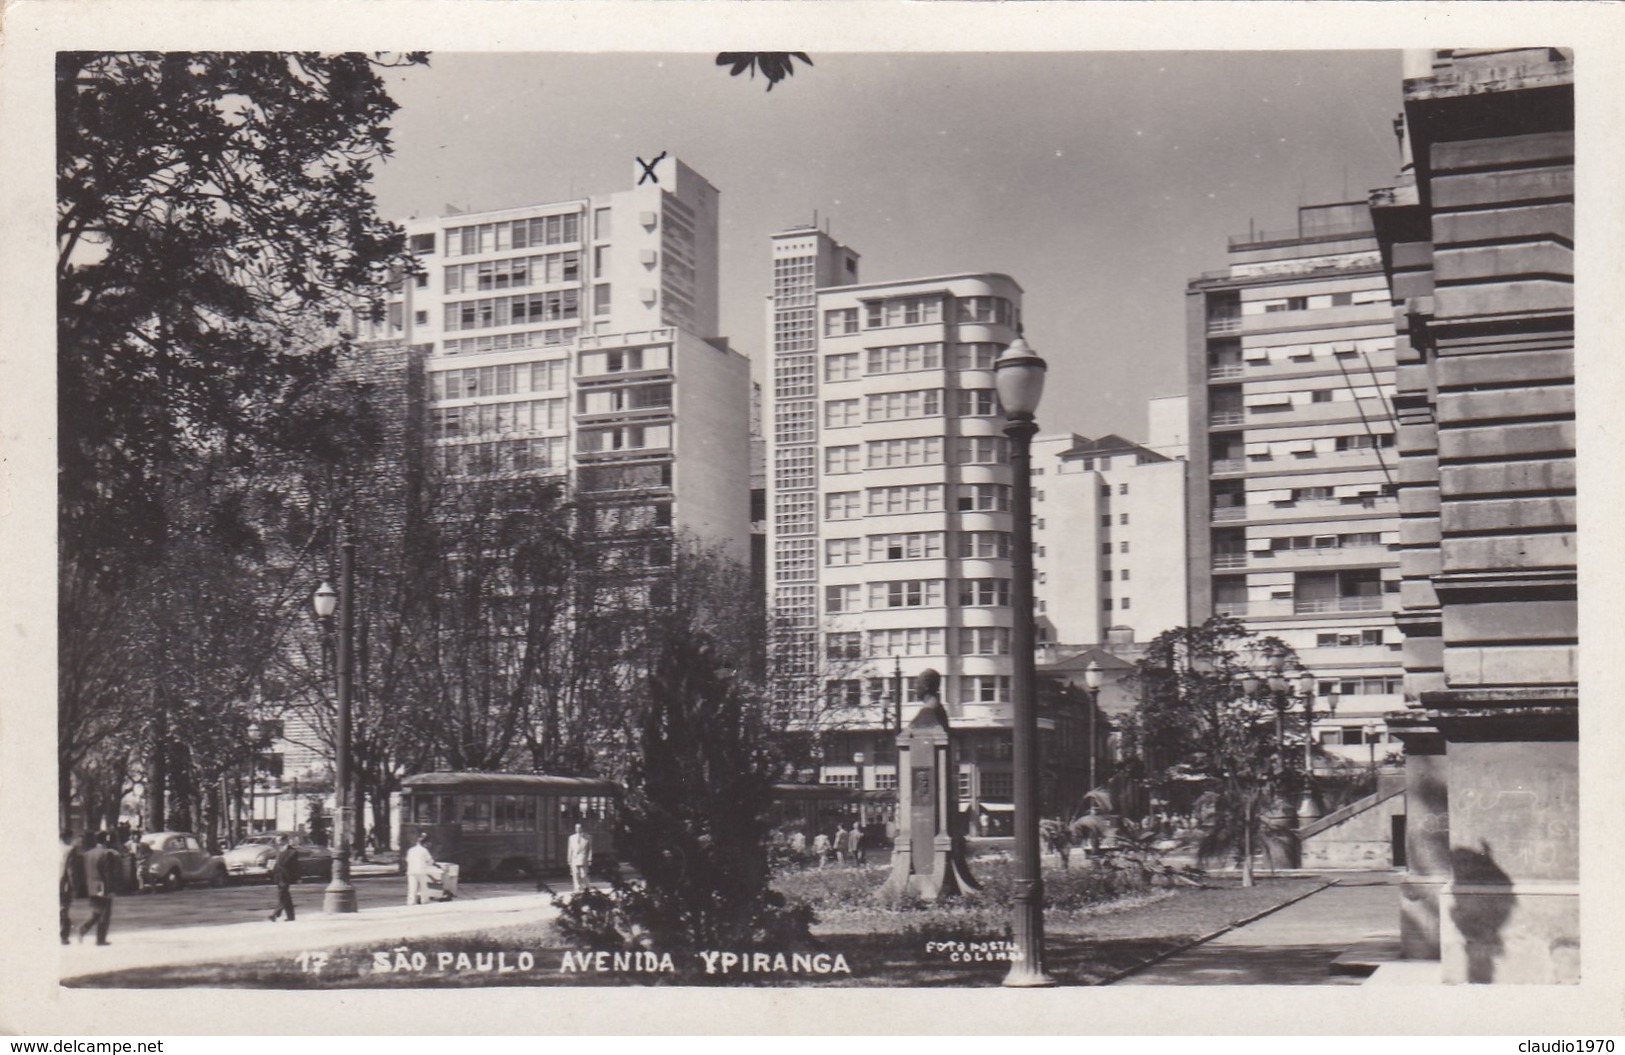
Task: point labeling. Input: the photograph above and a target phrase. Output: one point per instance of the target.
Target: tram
(494, 824)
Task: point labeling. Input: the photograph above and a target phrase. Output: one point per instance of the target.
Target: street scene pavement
(220, 925)
(1294, 945)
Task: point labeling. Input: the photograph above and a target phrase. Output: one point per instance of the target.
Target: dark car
(179, 858)
(253, 856)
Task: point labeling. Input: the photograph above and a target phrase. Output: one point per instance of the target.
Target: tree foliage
(775, 65)
(213, 222)
(1193, 724)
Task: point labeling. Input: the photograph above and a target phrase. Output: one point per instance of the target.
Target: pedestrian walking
(284, 873)
(854, 844)
(143, 855)
(67, 881)
(821, 848)
(101, 868)
(840, 844)
(578, 851)
(420, 865)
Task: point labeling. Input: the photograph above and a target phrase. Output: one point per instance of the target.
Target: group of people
(845, 845)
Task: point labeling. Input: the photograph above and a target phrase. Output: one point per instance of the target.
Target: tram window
(505, 810)
(570, 811)
(476, 813)
(448, 809)
(526, 819)
(423, 809)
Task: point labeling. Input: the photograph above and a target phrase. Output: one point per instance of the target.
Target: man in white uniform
(579, 852)
(419, 867)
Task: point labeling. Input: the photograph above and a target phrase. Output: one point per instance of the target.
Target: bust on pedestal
(929, 857)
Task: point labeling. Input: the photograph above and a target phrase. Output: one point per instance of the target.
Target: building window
(1105, 548)
(976, 355)
(843, 505)
(984, 641)
(896, 406)
(840, 321)
(843, 645)
(844, 693)
(840, 413)
(843, 598)
(987, 309)
(1105, 575)
(1106, 604)
(1122, 518)
(916, 545)
(839, 460)
(984, 593)
(1123, 575)
(914, 450)
(1105, 490)
(1321, 395)
(842, 552)
(911, 498)
(600, 223)
(983, 498)
(903, 311)
(984, 688)
(903, 358)
(1122, 489)
(907, 593)
(907, 641)
(1105, 520)
(1122, 547)
(977, 403)
(993, 545)
(600, 299)
(423, 244)
(998, 785)
(842, 367)
(1124, 604)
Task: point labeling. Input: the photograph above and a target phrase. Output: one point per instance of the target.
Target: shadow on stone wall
(1480, 918)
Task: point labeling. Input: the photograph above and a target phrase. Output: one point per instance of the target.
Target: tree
(213, 222)
(695, 818)
(1193, 724)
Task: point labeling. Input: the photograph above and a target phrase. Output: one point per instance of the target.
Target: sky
(1102, 182)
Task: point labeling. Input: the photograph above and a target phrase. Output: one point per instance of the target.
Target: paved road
(252, 901)
(1292, 946)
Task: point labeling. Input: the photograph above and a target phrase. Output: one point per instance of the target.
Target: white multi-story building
(889, 509)
(1107, 552)
(580, 336)
(1293, 519)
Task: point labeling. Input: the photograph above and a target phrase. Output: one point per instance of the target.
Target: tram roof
(510, 781)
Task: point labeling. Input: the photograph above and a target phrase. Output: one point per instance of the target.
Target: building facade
(1294, 515)
(578, 339)
(1477, 237)
(1103, 555)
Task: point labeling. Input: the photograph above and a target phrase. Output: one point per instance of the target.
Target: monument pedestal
(928, 860)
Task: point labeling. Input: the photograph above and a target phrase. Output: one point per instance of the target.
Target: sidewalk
(1295, 945)
(385, 926)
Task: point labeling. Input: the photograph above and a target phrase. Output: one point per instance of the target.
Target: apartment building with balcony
(1293, 519)
(577, 338)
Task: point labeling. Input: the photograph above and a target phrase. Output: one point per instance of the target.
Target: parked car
(252, 857)
(179, 858)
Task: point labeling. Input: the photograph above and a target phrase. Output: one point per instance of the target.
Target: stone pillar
(1511, 911)
(928, 859)
(1427, 839)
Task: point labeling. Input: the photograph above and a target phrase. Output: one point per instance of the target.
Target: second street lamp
(340, 895)
(1019, 377)
(1091, 681)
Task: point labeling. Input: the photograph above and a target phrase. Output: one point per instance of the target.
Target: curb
(1118, 976)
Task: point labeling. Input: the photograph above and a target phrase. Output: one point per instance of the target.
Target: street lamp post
(1019, 377)
(1091, 681)
(340, 895)
(1308, 809)
(897, 693)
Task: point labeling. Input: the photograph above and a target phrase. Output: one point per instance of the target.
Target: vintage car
(178, 858)
(252, 857)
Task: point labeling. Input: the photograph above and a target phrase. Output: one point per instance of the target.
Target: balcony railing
(1230, 513)
(1222, 561)
(1229, 465)
(1305, 606)
(1236, 608)
(1227, 417)
(1227, 370)
(1224, 324)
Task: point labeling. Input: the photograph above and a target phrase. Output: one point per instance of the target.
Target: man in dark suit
(101, 878)
(67, 881)
(285, 873)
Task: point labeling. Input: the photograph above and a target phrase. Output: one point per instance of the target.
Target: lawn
(1093, 934)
